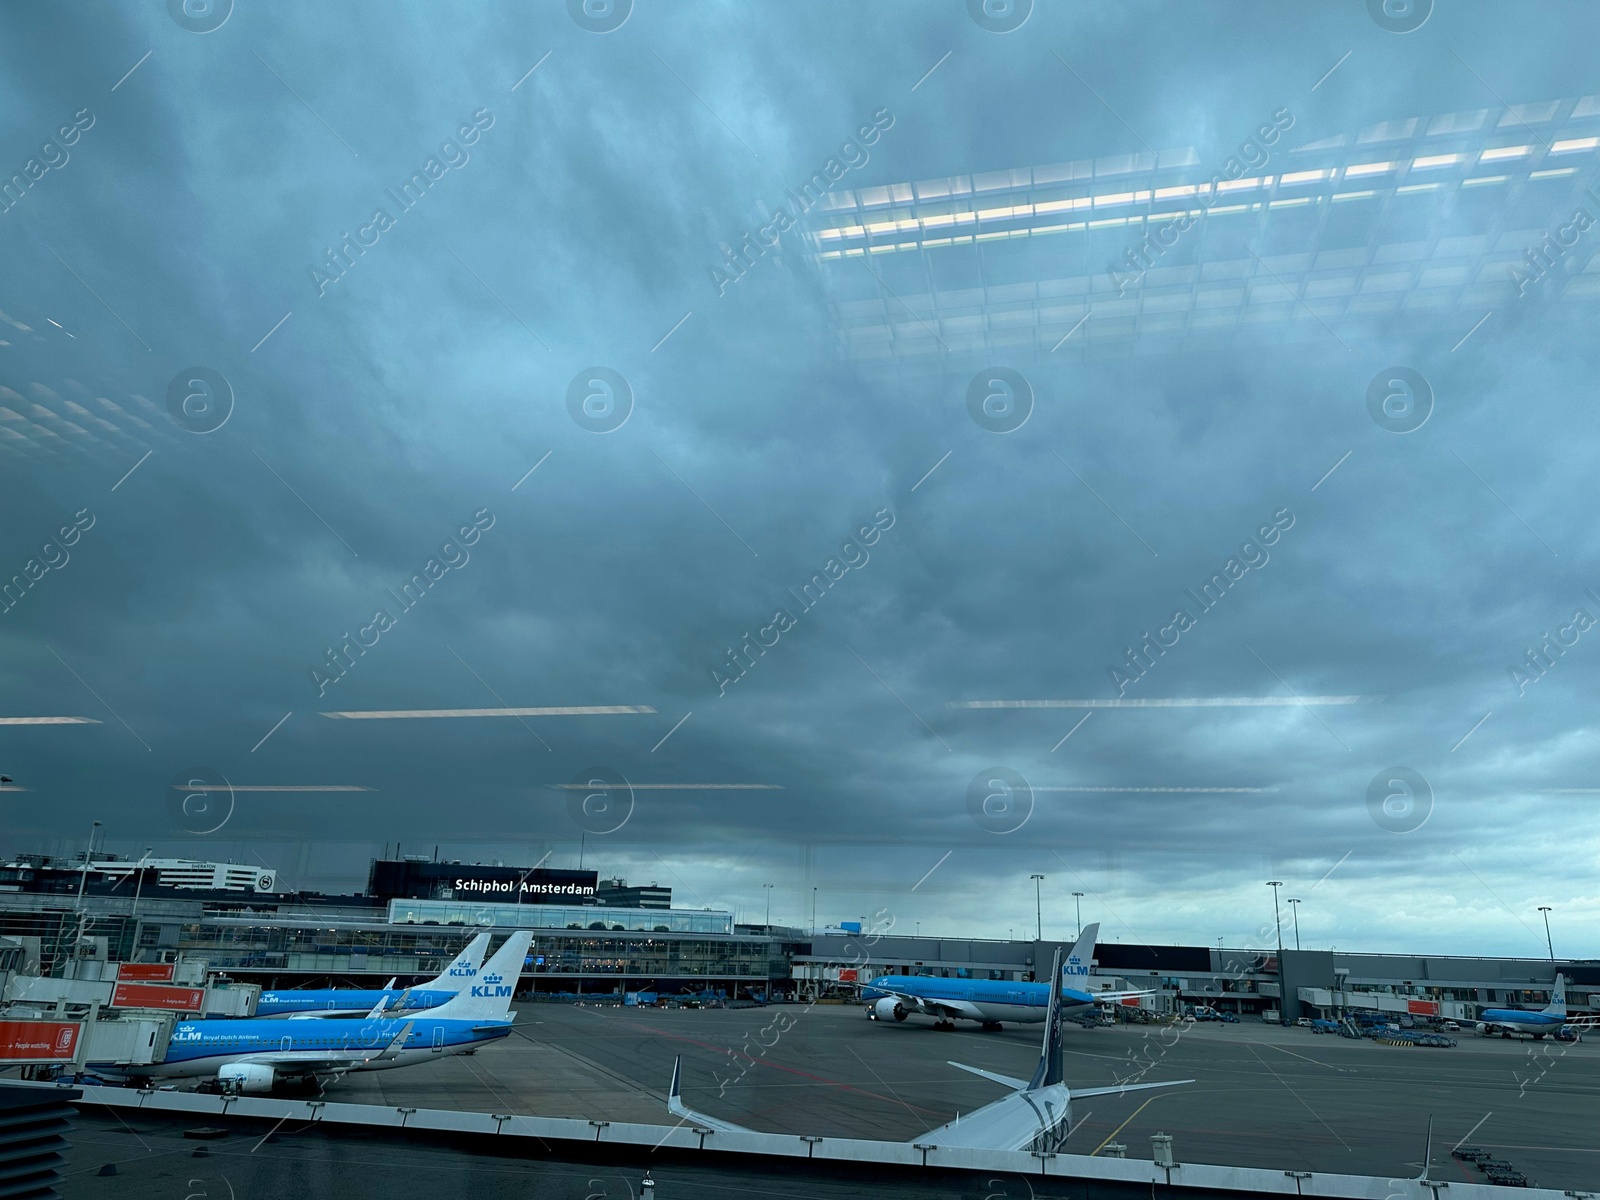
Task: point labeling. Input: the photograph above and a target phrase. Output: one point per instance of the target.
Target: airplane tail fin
(1038, 1113)
(1051, 1068)
(488, 997)
(1558, 998)
(462, 971)
(1080, 958)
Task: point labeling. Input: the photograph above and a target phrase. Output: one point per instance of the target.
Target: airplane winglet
(677, 1108)
(391, 982)
(377, 1009)
(396, 1042)
(675, 1092)
(1427, 1153)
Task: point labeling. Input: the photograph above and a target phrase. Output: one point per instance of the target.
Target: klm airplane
(255, 1056)
(1036, 1115)
(1506, 1021)
(352, 1002)
(990, 1001)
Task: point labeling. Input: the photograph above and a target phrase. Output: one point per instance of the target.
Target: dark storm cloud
(579, 230)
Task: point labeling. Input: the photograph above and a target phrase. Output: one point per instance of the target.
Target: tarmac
(1263, 1095)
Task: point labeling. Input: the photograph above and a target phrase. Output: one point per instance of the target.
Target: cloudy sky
(195, 217)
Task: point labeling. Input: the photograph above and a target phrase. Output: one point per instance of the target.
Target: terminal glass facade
(554, 916)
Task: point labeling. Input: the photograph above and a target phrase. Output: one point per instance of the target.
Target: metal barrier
(1201, 1177)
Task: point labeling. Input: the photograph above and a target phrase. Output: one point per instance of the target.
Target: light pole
(83, 878)
(1545, 909)
(1077, 900)
(768, 886)
(1277, 913)
(1277, 919)
(1296, 911)
(813, 912)
(1038, 908)
(138, 887)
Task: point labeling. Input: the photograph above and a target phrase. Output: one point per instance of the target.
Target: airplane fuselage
(274, 1004)
(1522, 1021)
(986, 999)
(200, 1048)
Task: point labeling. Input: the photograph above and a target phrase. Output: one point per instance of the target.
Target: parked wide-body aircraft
(356, 1002)
(1037, 1115)
(991, 1001)
(253, 1056)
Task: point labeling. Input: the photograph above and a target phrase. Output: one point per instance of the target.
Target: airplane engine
(1483, 1030)
(889, 1009)
(245, 1077)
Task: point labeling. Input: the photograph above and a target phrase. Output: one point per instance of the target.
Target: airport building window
(555, 916)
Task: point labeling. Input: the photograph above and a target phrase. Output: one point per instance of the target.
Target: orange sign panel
(39, 1041)
(152, 995)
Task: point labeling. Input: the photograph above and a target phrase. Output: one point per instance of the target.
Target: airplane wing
(992, 1077)
(1126, 1087)
(676, 1106)
(1075, 996)
(935, 1008)
(1120, 996)
(305, 1062)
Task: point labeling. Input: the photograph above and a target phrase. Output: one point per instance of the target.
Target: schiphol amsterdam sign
(539, 887)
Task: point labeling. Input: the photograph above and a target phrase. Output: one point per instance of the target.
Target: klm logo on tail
(463, 972)
(1075, 968)
(492, 987)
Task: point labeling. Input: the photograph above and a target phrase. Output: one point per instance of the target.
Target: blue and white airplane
(356, 1002)
(254, 1056)
(990, 1001)
(1036, 1115)
(1506, 1021)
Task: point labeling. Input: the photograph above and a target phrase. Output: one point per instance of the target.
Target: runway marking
(880, 1080)
(1124, 1125)
(1296, 1095)
(1308, 1058)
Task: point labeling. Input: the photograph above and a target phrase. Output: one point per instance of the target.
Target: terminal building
(416, 914)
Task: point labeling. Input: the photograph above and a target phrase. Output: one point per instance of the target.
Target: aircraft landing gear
(992, 1027)
(945, 1026)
